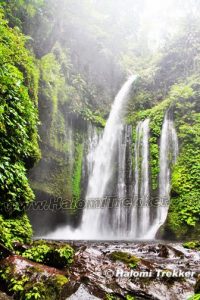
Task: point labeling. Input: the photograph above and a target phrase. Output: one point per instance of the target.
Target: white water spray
(141, 209)
(168, 155)
(92, 226)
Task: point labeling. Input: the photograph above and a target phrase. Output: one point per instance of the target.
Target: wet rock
(173, 252)
(20, 247)
(4, 252)
(82, 293)
(3, 296)
(23, 278)
(97, 268)
(197, 285)
(97, 271)
(163, 251)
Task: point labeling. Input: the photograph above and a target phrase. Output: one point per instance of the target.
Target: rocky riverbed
(100, 270)
(162, 272)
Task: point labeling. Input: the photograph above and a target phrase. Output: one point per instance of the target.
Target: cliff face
(64, 118)
(174, 85)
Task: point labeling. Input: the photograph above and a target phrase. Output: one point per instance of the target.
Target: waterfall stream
(168, 155)
(120, 217)
(141, 209)
(168, 145)
(102, 174)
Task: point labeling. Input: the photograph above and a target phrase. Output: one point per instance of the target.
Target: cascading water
(144, 211)
(92, 226)
(141, 209)
(121, 185)
(120, 217)
(93, 137)
(168, 145)
(93, 140)
(102, 174)
(109, 155)
(168, 155)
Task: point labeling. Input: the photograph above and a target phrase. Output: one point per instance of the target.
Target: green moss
(130, 260)
(184, 212)
(61, 280)
(77, 172)
(43, 187)
(111, 297)
(52, 79)
(130, 297)
(194, 245)
(195, 297)
(33, 284)
(57, 96)
(49, 289)
(56, 92)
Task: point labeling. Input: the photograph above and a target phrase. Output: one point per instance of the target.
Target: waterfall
(101, 159)
(103, 156)
(141, 209)
(144, 211)
(93, 137)
(108, 169)
(120, 218)
(102, 173)
(168, 145)
(168, 155)
(121, 185)
(93, 140)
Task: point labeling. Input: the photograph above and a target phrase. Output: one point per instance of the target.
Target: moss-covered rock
(194, 245)
(197, 286)
(130, 260)
(27, 280)
(63, 133)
